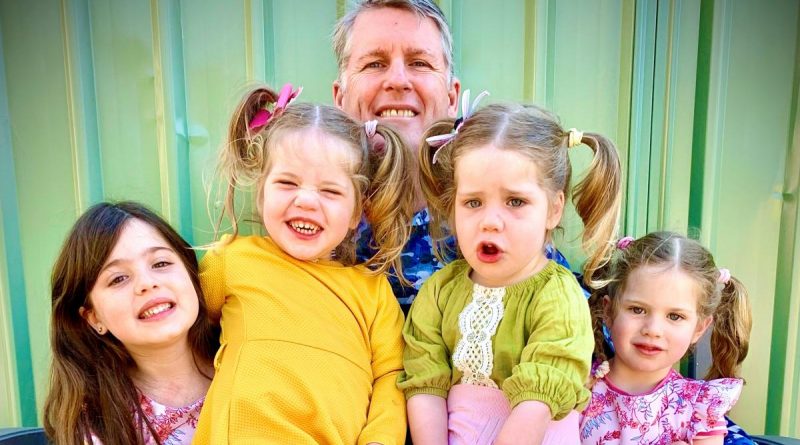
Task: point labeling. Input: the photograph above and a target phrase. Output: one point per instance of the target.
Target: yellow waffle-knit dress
(310, 350)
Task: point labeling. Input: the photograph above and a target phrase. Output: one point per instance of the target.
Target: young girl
(311, 344)
(499, 343)
(131, 341)
(663, 292)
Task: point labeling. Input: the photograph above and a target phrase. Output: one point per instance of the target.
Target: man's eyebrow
(377, 52)
(419, 52)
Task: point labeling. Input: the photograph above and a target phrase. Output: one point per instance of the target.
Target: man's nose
(397, 76)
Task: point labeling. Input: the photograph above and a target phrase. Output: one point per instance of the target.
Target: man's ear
(702, 326)
(452, 96)
(338, 94)
(555, 211)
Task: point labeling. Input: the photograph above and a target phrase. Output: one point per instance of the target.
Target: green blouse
(542, 347)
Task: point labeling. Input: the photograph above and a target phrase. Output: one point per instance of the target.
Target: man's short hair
(422, 8)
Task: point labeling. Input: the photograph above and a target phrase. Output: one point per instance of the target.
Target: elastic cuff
(430, 391)
(378, 438)
(556, 411)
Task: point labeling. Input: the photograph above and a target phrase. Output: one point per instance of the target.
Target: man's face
(396, 73)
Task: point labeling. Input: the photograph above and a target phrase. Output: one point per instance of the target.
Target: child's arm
(427, 417)
(708, 440)
(386, 419)
(525, 425)
(554, 364)
(212, 281)
(427, 375)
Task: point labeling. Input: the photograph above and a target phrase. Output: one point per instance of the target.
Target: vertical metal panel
(783, 413)
(744, 173)
(16, 374)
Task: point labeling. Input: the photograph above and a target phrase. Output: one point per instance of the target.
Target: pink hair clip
(624, 242)
(263, 116)
(724, 276)
(467, 110)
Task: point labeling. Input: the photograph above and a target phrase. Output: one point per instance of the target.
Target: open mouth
(304, 227)
(489, 252)
(155, 310)
(394, 112)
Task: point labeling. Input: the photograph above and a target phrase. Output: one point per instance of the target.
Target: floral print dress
(678, 409)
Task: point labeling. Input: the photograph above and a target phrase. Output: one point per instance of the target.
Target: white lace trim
(478, 323)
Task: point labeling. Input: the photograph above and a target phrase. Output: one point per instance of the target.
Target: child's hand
(680, 443)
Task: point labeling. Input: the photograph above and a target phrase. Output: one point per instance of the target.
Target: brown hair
(536, 133)
(91, 391)
(422, 8)
(381, 177)
(728, 303)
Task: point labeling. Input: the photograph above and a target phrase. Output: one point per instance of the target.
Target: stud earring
(101, 330)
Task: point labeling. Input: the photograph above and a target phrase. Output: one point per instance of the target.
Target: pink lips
(647, 349)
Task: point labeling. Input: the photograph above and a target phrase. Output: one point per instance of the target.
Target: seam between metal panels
(69, 75)
(160, 108)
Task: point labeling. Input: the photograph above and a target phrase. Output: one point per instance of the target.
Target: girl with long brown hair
(132, 344)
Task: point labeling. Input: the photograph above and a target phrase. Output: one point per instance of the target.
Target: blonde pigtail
(730, 335)
(597, 200)
(242, 157)
(389, 205)
(437, 184)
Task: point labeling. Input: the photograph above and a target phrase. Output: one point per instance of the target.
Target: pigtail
(389, 205)
(242, 157)
(597, 200)
(730, 335)
(437, 184)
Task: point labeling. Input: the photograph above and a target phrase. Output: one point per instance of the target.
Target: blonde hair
(535, 133)
(727, 302)
(381, 177)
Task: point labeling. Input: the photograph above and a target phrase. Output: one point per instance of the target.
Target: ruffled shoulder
(713, 400)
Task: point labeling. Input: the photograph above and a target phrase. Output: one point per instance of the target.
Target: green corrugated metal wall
(113, 99)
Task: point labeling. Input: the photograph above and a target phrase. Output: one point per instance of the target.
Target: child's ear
(702, 326)
(607, 318)
(91, 320)
(555, 211)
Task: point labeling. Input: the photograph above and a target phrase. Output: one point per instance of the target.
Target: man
(396, 65)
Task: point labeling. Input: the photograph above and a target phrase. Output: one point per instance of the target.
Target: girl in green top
(499, 343)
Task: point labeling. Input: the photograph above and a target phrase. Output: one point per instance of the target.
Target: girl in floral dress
(663, 292)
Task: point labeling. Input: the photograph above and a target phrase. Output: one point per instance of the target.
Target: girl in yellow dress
(311, 343)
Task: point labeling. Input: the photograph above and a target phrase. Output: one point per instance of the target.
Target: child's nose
(492, 221)
(306, 199)
(652, 327)
(144, 282)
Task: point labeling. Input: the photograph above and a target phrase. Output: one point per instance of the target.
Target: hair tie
(467, 110)
(724, 276)
(264, 116)
(624, 242)
(370, 127)
(575, 137)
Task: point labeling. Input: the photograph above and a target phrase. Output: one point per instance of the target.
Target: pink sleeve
(714, 399)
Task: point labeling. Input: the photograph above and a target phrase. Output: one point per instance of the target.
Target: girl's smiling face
(502, 215)
(309, 201)
(143, 294)
(656, 322)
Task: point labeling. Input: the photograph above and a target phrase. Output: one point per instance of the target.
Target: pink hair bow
(285, 97)
(624, 242)
(467, 110)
